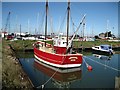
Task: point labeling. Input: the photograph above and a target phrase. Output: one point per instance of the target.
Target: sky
(31, 17)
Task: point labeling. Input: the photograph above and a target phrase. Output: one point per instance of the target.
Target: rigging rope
(102, 64)
(62, 22)
(50, 21)
(41, 25)
(73, 24)
(76, 31)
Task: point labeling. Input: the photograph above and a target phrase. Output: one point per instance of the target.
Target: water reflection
(105, 58)
(62, 77)
(102, 57)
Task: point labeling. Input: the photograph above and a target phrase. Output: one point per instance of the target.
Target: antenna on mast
(83, 29)
(7, 26)
(37, 22)
(28, 27)
(107, 27)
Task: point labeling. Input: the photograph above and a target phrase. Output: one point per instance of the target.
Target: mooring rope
(85, 62)
(102, 64)
(48, 80)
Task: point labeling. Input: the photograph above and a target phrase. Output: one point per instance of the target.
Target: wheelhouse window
(56, 37)
(63, 38)
(105, 47)
(97, 47)
(64, 42)
(102, 46)
(110, 47)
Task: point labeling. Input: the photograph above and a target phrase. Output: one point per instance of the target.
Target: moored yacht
(103, 49)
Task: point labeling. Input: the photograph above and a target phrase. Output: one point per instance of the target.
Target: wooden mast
(68, 15)
(46, 21)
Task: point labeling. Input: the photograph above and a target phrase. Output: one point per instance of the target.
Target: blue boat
(103, 49)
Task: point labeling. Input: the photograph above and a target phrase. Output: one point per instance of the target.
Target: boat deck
(45, 49)
(51, 50)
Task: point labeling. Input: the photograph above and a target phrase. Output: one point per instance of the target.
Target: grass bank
(88, 44)
(13, 75)
(28, 44)
(0, 63)
(20, 45)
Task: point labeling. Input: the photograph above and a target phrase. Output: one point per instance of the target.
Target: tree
(96, 37)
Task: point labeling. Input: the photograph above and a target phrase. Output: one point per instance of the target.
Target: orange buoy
(89, 68)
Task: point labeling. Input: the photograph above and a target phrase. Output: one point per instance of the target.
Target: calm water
(105, 69)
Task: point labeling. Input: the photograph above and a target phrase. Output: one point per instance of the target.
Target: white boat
(103, 49)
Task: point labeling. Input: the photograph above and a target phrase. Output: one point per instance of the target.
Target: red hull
(60, 50)
(58, 60)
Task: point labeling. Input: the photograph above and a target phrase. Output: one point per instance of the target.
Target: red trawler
(60, 54)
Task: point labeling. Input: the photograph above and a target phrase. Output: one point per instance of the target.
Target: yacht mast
(107, 28)
(68, 16)
(46, 21)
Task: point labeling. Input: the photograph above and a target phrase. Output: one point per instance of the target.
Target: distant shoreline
(27, 45)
